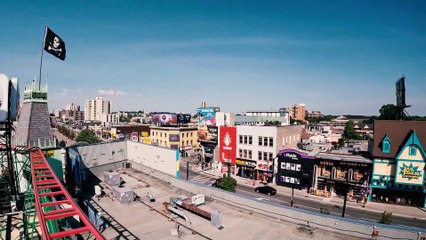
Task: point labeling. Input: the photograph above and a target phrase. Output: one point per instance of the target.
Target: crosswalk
(205, 179)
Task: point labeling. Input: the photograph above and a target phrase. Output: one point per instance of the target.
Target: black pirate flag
(54, 45)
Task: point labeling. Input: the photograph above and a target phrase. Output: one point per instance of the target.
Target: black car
(266, 190)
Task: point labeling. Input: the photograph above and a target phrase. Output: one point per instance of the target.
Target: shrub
(386, 218)
(228, 184)
(324, 210)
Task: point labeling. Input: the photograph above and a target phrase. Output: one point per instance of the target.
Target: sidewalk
(396, 210)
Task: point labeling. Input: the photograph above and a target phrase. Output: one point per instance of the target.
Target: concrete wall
(338, 225)
(157, 158)
(103, 154)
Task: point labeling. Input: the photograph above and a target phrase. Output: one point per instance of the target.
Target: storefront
(264, 171)
(338, 173)
(246, 168)
(294, 169)
(399, 163)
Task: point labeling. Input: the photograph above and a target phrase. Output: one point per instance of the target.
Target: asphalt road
(306, 203)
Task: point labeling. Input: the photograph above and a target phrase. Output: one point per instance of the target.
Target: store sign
(228, 144)
(291, 156)
(411, 173)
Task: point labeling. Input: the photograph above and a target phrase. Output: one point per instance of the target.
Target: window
(271, 142)
(260, 141)
(191, 142)
(271, 156)
(250, 154)
(265, 141)
(386, 144)
(240, 153)
(259, 155)
(250, 142)
(298, 167)
(265, 156)
(412, 151)
(245, 153)
(241, 139)
(191, 134)
(386, 147)
(245, 139)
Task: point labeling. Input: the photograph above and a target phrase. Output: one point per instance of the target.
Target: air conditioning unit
(126, 165)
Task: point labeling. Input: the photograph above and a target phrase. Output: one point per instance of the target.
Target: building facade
(399, 163)
(257, 148)
(95, 110)
(298, 111)
(294, 169)
(264, 117)
(71, 115)
(174, 137)
(337, 173)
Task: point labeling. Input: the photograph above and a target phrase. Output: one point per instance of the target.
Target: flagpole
(41, 58)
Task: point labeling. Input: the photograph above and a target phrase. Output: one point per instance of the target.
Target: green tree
(87, 135)
(349, 132)
(388, 112)
(228, 184)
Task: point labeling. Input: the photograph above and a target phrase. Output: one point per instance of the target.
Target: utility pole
(187, 170)
(346, 196)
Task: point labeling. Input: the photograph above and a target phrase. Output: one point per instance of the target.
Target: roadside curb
(313, 198)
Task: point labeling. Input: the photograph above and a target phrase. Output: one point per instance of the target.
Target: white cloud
(110, 92)
(64, 92)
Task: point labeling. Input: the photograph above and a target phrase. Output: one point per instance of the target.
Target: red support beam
(39, 165)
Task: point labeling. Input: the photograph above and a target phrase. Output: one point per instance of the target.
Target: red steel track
(46, 184)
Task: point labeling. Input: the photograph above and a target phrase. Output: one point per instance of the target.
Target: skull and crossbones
(55, 47)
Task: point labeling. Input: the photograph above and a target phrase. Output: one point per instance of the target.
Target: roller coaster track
(50, 198)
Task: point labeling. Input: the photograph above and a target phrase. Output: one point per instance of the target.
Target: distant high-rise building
(72, 107)
(95, 110)
(297, 111)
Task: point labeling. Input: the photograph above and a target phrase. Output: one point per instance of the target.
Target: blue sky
(339, 57)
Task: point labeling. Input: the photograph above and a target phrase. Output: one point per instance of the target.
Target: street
(302, 203)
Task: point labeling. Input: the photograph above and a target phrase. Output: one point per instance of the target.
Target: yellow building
(175, 137)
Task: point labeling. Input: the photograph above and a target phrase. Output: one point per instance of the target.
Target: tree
(87, 135)
(349, 132)
(228, 184)
(388, 112)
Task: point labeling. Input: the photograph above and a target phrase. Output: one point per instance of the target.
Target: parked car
(266, 190)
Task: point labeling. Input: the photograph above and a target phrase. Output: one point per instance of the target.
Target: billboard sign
(207, 133)
(183, 118)
(228, 144)
(174, 137)
(206, 116)
(164, 118)
(400, 92)
(4, 97)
